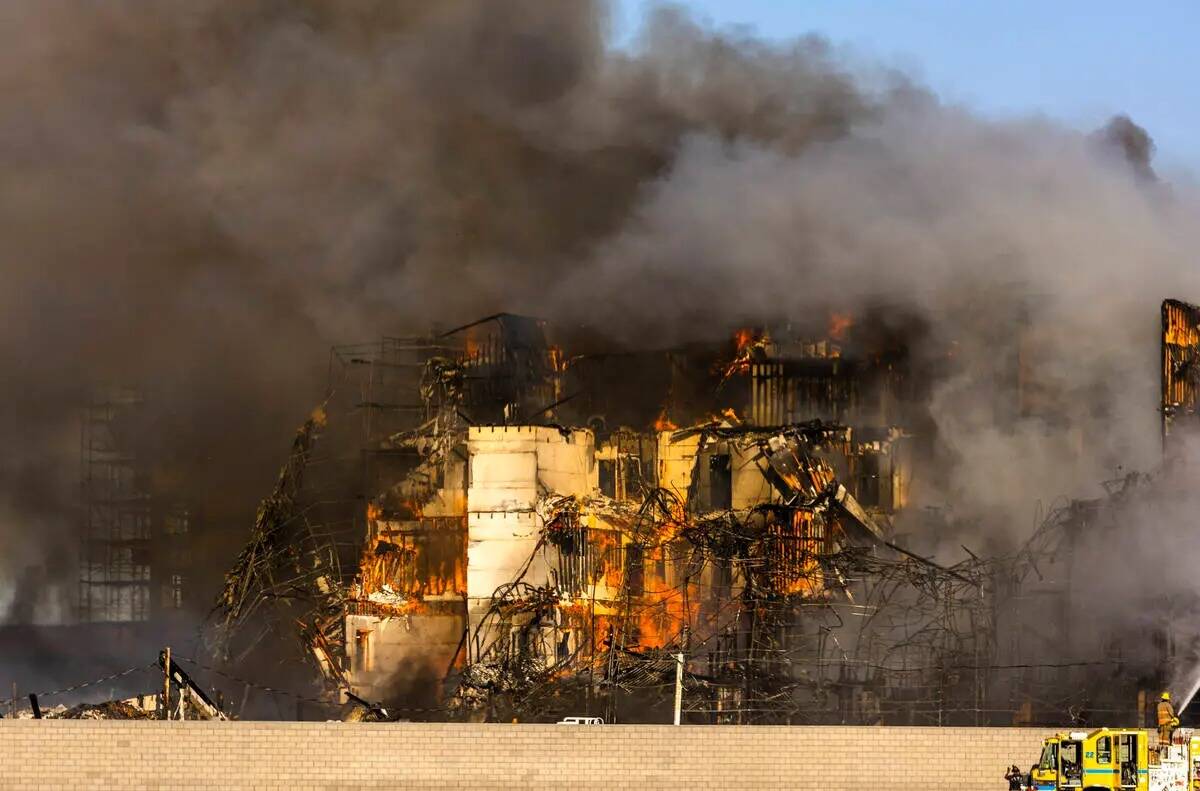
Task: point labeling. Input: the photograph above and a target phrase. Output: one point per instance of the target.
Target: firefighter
(1167, 721)
(1016, 780)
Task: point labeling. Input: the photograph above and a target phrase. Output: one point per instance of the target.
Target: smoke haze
(201, 195)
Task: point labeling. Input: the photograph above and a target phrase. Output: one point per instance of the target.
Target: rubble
(109, 710)
(183, 697)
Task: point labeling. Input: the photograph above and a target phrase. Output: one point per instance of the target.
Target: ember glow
(839, 325)
(742, 340)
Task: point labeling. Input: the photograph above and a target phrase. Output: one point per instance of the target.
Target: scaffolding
(116, 511)
(379, 382)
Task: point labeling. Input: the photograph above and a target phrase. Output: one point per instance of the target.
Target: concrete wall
(510, 468)
(291, 756)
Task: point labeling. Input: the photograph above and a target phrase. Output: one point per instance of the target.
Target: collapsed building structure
(540, 529)
(546, 531)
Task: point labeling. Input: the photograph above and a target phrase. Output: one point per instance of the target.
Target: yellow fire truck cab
(1118, 758)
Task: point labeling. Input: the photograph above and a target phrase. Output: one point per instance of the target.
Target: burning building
(434, 538)
(540, 526)
(542, 529)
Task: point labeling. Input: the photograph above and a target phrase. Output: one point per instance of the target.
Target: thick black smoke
(200, 196)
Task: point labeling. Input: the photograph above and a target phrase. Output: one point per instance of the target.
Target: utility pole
(166, 701)
(678, 686)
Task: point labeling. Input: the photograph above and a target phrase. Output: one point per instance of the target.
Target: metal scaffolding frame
(116, 510)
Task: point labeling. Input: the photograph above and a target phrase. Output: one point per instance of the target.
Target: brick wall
(294, 756)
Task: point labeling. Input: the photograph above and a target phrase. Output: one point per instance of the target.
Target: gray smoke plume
(202, 195)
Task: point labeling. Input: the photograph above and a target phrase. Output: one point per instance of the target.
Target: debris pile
(109, 710)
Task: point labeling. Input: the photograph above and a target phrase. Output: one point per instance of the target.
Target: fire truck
(1118, 758)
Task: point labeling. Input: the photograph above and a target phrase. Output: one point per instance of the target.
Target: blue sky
(1076, 61)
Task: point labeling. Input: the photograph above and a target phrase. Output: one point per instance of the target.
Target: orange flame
(839, 325)
(797, 551)
(1179, 330)
(397, 562)
(470, 347)
(607, 547)
(663, 423)
(745, 341)
(743, 338)
(665, 609)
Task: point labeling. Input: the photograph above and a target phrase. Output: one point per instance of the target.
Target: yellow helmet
(1165, 696)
